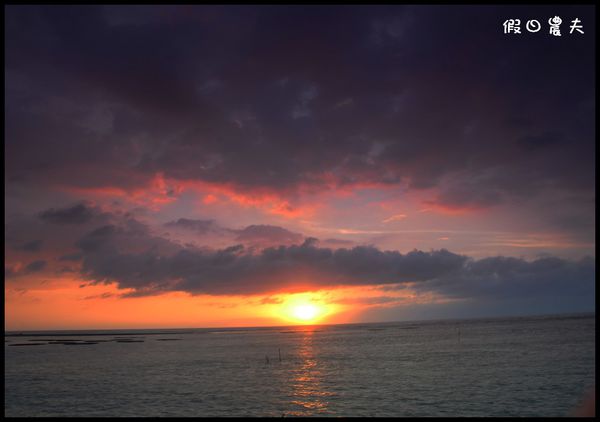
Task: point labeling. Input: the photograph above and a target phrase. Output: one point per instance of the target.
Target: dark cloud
(35, 266)
(54, 231)
(135, 259)
(102, 93)
(15, 270)
(338, 242)
(131, 254)
(235, 270)
(71, 257)
(534, 142)
(198, 226)
(265, 234)
(100, 296)
(503, 277)
(468, 195)
(32, 246)
(257, 235)
(77, 214)
(10, 271)
(376, 301)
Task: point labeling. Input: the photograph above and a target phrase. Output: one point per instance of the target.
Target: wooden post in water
(267, 358)
(279, 350)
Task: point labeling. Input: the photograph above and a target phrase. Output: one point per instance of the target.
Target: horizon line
(83, 331)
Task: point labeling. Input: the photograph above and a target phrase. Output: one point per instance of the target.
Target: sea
(518, 366)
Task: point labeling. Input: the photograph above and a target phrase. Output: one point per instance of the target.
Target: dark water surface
(526, 366)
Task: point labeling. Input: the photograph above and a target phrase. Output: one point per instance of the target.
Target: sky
(208, 166)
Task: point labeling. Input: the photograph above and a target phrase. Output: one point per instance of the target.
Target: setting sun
(304, 308)
(305, 312)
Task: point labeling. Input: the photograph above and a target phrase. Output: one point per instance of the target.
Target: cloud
(505, 277)
(135, 259)
(76, 214)
(266, 234)
(269, 300)
(71, 257)
(198, 226)
(255, 235)
(237, 271)
(395, 217)
(535, 142)
(35, 266)
(434, 124)
(10, 271)
(17, 269)
(273, 260)
(373, 301)
(98, 101)
(332, 242)
(100, 296)
(32, 246)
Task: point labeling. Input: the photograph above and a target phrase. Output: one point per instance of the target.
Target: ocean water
(526, 366)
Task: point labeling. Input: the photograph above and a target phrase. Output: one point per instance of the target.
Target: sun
(305, 312)
(303, 309)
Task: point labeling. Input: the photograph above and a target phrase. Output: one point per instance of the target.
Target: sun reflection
(308, 395)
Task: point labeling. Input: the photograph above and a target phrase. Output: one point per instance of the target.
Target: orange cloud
(210, 199)
(63, 304)
(157, 193)
(447, 209)
(396, 217)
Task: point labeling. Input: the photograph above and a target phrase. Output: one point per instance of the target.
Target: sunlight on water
(309, 393)
(539, 366)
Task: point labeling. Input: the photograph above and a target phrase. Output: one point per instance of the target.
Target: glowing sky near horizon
(190, 166)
